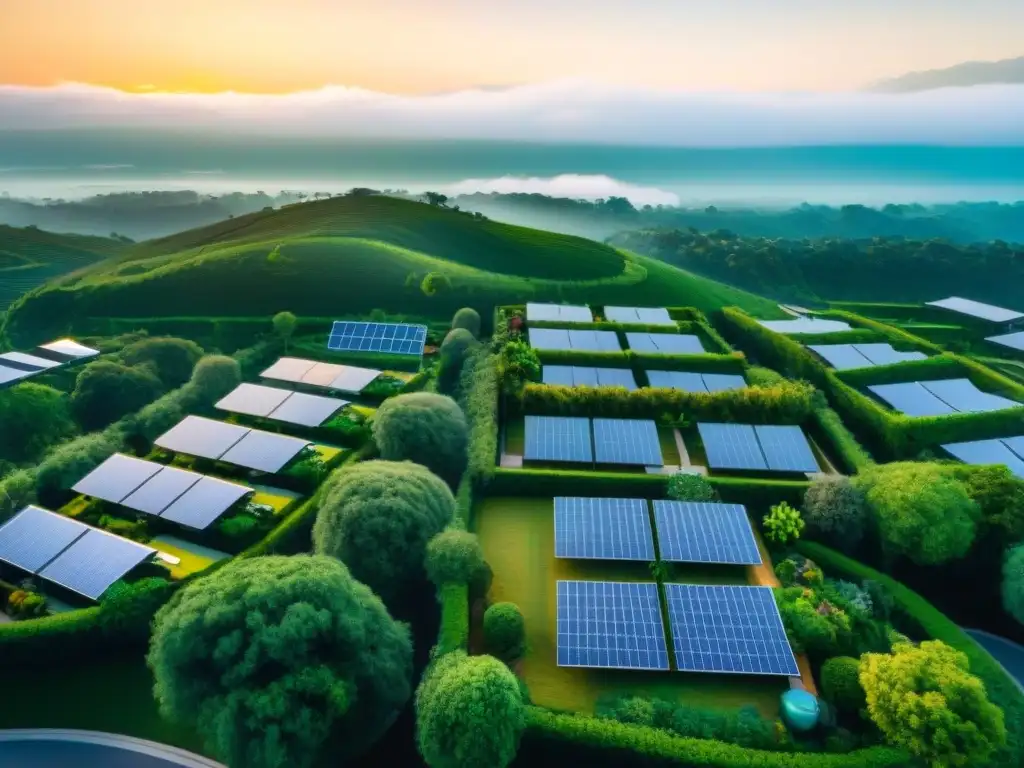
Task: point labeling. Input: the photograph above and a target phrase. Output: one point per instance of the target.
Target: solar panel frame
(603, 529)
(977, 309)
(549, 338)
(204, 502)
(632, 442)
(288, 369)
(786, 448)
(307, 410)
(654, 316)
(94, 562)
(681, 380)
(199, 436)
(886, 354)
(551, 313)
(723, 382)
(610, 625)
(961, 395)
(1009, 340)
(22, 359)
(728, 630)
(265, 451)
(117, 478)
(35, 536)
(558, 439)
(705, 532)
(557, 375)
(731, 446)
(253, 399)
(385, 338)
(161, 490)
(842, 357)
(911, 398)
(981, 452)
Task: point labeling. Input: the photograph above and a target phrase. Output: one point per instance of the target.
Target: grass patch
(328, 452)
(194, 558)
(280, 500)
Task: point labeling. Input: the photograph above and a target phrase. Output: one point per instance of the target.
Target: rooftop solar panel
(288, 369)
(558, 438)
(1015, 444)
(389, 338)
(160, 491)
(665, 343)
(584, 377)
(307, 410)
(35, 536)
(94, 562)
(963, 396)
(977, 309)
(987, 452)
(603, 529)
(721, 382)
(1010, 340)
(70, 348)
(594, 341)
(197, 436)
(353, 379)
(253, 399)
(322, 374)
(728, 629)
(616, 377)
(646, 315)
(116, 478)
(705, 532)
(608, 624)
(264, 451)
(885, 354)
(541, 312)
(805, 325)
(786, 449)
(731, 446)
(567, 313)
(911, 399)
(627, 441)
(549, 338)
(687, 382)
(8, 374)
(28, 362)
(560, 375)
(204, 502)
(842, 357)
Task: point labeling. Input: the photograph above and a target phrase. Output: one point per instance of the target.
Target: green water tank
(799, 709)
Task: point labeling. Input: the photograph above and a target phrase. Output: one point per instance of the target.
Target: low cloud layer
(571, 185)
(571, 111)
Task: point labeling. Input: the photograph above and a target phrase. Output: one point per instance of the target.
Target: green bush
(850, 454)
(70, 462)
(298, 670)
(1013, 582)
(518, 364)
(426, 428)
(835, 511)
(504, 631)
(105, 391)
(454, 350)
(454, 557)
(172, 359)
(284, 325)
(813, 625)
(783, 523)
(689, 486)
(241, 527)
(215, 376)
(469, 319)
(479, 390)
(454, 632)
(22, 604)
(32, 418)
(840, 684)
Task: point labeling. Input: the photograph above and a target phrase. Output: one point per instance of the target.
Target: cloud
(569, 185)
(561, 111)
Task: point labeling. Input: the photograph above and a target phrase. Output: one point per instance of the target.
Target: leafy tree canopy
(835, 510)
(172, 359)
(214, 376)
(105, 391)
(454, 557)
(1013, 583)
(426, 428)
(469, 319)
(32, 418)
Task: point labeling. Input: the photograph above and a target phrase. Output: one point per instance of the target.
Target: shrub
(517, 365)
(426, 428)
(70, 462)
(297, 670)
(129, 607)
(688, 486)
(32, 418)
(812, 624)
(504, 631)
(238, 526)
(925, 700)
(22, 604)
(284, 325)
(468, 319)
(835, 511)
(479, 390)
(16, 491)
(454, 349)
(783, 523)
(377, 517)
(1013, 582)
(105, 391)
(214, 376)
(840, 684)
(171, 359)
(469, 713)
(454, 557)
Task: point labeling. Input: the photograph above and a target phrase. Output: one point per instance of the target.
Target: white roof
(805, 325)
(977, 309)
(32, 360)
(197, 436)
(70, 348)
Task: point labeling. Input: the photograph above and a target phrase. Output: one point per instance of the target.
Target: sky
(412, 47)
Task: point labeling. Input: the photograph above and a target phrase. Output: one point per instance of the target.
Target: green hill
(348, 256)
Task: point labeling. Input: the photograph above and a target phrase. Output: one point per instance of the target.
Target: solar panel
(265, 451)
(116, 478)
(603, 529)
(705, 532)
(35, 536)
(1011, 340)
(288, 369)
(575, 314)
(646, 315)
(197, 436)
(911, 399)
(805, 325)
(354, 379)
(786, 449)
(253, 399)
(558, 438)
(1015, 444)
(885, 354)
(8, 374)
(611, 625)
(616, 377)
(627, 441)
(28, 362)
(549, 338)
(665, 343)
(558, 312)
(541, 312)
(390, 338)
(204, 502)
(322, 374)
(729, 629)
(687, 382)
(977, 309)
(842, 357)
(560, 375)
(307, 410)
(594, 341)
(963, 396)
(731, 446)
(721, 382)
(584, 377)
(160, 491)
(987, 452)
(94, 562)
(70, 348)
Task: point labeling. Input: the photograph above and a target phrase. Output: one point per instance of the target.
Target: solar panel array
(665, 343)
(757, 448)
(584, 340)
(627, 441)
(705, 532)
(886, 354)
(16, 367)
(558, 438)
(603, 529)
(728, 629)
(940, 398)
(845, 357)
(343, 378)
(644, 315)
(911, 399)
(219, 441)
(387, 338)
(805, 325)
(1009, 340)
(68, 553)
(696, 382)
(558, 313)
(281, 404)
(579, 376)
(977, 309)
(610, 625)
(1008, 451)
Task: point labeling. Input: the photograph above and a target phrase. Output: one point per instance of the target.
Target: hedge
(1002, 689)
(454, 632)
(842, 445)
(479, 388)
(579, 740)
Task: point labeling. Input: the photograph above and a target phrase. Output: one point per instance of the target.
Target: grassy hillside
(353, 255)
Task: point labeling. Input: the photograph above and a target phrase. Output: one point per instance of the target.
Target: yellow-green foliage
(783, 524)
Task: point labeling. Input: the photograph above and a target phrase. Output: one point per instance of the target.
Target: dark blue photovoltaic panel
(611, 625)
(616, 377)
(35, 536)
(911, 399)
(687, 382)
(594, 341)
(842, 357)
(1015, 444)
(731, 446)
(705, 532)
(558, 438)
(392, 338)
(560, 375)
(786, 449)
(988, 452)
(720, 382)
(549, 338)
(627, 441)
(603, 529)
(665, 343)
(584, 377)
(963, 396)
(885, 354)
(733, 629)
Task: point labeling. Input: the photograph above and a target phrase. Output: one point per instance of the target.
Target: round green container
(799, 709)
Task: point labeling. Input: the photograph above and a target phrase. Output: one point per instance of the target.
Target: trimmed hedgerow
(649, 361)
(454, 632)
(479, 389)
(896, 336)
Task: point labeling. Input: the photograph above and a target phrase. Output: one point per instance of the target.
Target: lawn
(328, 452)
(278, 498)
(517, 535)
(194, 558)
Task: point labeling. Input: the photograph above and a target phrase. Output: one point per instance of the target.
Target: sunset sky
(425, 46)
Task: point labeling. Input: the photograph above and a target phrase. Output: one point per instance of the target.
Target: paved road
(45, 748)
(1007, 653)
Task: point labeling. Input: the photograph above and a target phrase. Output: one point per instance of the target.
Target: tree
(469, 713)
(454, 557)
(813, 624)
(1013, 582)
(518, 364)
(921, 511)
(105, 391)
(925, 700)
(688, 486)
(436, 198)
(783, 523)
(840, 683)
(172, 359)
(427, 428)
(284, 324)
(214, 376)
(504, 631)
(270, 657)
(835, 510)
(377, 518)
(434, 283)
(467, 319)
(454, 348)
(32, 418)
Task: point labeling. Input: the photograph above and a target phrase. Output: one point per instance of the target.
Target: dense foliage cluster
(783, 523)
(835, 511)
(504, 631)
(454, 557)
(468, 319)
(106, 390)
(690, 486)
(426, 428)
(840, 684)
(32, 418)
(454, 349)
(170, 359)
(1013, 583)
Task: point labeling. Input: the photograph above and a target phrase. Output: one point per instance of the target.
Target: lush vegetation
(426, 428)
